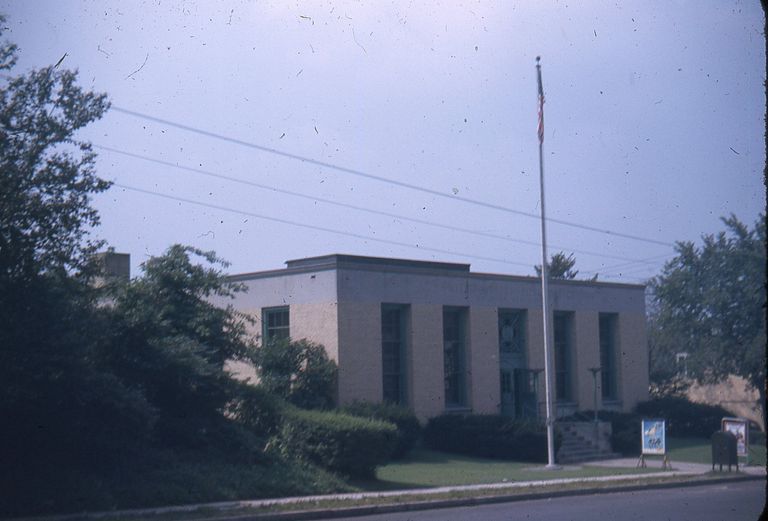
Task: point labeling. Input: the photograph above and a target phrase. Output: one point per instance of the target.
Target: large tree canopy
(167, 339)
(53, 396)
(708, 305)
(47, 174)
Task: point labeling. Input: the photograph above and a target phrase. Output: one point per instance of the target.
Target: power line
(628, 265)
(313, 227)
(359, 173)
(321, 228)
(350, 206)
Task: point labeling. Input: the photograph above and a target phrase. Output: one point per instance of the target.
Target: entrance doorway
(517, 398)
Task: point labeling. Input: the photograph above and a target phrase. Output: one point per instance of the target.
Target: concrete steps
(583, 442)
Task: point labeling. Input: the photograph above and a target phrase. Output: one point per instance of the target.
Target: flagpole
(545, 287)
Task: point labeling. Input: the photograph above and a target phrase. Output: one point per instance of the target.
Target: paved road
(742, 501)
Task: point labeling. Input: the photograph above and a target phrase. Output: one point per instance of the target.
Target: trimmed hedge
(684, 418)
(408, 426)
(338, 442)
(488, 436)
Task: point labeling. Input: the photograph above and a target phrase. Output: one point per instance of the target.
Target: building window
(275, 324)
(454, 352)
(394, 340)
(512, 331)
(608, 351)
(563, 326)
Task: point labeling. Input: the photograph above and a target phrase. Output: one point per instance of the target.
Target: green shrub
(258, 410)
(756, 437)
(684, 418)
(408, 426)
(339, 442)
(488, 436)
(298, 371)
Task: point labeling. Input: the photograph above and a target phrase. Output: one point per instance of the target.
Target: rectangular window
(563, 326)
(512, 331)
(394, 324)
(275, 324)
(454, 352)
(608, 341)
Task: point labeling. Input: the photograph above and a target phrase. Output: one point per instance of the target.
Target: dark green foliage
(47, 175)
(709, 302)
(58, 405)
(625, 429)
(114, 397)
(339, 442)
(756, 437)
(156, 478)
(298, 371)
(684, 418)
(488, 436)
(257, 410)
(408, 426)
(167, 339)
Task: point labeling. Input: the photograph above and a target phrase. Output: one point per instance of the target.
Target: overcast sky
(654, 125)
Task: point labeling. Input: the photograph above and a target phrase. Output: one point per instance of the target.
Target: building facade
(438, 338)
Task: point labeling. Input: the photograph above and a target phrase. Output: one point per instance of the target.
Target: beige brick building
(436, 337)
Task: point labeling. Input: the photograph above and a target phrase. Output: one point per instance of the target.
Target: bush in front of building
(684, 418)
(339, 442)
(298, 371)
(488, 436)
(408, 426)
(257, 410)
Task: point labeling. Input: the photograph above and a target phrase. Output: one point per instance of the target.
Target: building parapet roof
(341, 261)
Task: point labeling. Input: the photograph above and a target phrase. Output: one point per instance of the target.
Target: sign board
(739, 428)
(653, 433)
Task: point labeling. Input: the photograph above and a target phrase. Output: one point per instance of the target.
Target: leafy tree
(561, 267)
(299, 371)
(57, 405)
(709, 302)
(168, 339)
(48, 175)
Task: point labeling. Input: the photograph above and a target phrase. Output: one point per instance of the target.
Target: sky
(269, 131)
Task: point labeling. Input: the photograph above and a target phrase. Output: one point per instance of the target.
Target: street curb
(411, 506)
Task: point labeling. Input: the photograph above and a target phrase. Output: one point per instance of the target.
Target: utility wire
(321, 228)
(351, 206)
(312, 226)
(359, 173)
(630, 265)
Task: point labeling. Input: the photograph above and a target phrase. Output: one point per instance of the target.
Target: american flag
(541, 103)
(541, 118)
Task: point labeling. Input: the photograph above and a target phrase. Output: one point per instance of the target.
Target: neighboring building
(435, 337)
(735, 395)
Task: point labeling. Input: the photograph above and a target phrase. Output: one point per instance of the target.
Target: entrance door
(513, 377)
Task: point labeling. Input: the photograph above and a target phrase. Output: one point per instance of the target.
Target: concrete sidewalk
(677, 466)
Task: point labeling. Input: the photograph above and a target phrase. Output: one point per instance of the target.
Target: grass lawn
(699, 450)
(425, 468)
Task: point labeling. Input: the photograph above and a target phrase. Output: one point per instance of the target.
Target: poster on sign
(739, 428)
(653, 436)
